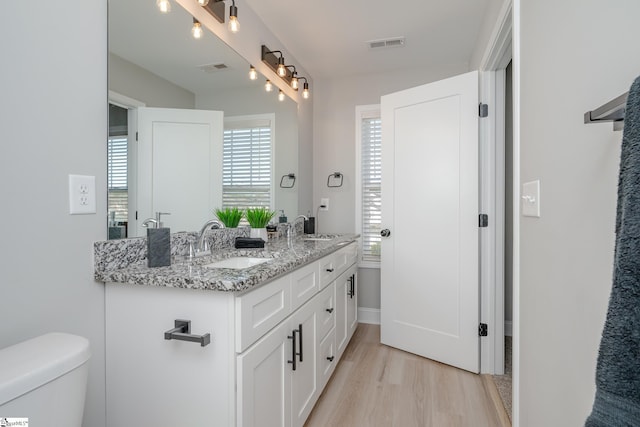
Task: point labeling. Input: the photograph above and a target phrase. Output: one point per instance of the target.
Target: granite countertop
(192, 274)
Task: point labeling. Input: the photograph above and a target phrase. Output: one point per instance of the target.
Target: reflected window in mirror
(247, 168)
(117, 190)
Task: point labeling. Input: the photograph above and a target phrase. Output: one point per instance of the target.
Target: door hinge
(136, 136)
(483, 220)
(483, 110)
(482, 330)
(136, 215)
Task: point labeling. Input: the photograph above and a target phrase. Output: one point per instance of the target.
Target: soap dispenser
(283, 217)
(158, 242)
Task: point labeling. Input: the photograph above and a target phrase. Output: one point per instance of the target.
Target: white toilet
(44, 379)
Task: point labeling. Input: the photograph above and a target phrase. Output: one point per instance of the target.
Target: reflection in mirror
(155, 62)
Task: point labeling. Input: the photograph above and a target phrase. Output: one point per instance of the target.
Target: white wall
(53, 117)
(334, 148)
(129, 79)
(575, 56)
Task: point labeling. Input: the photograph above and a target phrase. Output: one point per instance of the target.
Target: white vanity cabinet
(271, 353)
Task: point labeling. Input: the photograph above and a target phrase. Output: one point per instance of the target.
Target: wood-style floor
(376, 385)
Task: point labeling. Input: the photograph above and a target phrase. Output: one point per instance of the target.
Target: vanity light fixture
(288, 73)
(196, 30)
(253, 74)
(164, 6)
(234, 25)
(268, 86)
(280, 95)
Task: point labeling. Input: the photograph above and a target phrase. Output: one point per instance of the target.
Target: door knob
(385, 233)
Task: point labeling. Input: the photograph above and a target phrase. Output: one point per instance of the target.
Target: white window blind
(247, 164)
(370, 180)
(117, 194)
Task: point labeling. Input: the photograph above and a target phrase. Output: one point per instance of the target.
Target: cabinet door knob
(330, 270)
(385, 233)
(329, 310)
(330, 358)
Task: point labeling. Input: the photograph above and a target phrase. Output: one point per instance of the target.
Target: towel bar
(612, 111)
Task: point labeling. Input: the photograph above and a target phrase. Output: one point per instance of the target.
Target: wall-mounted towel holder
(287, 179)
(332, 180)
(612, 111)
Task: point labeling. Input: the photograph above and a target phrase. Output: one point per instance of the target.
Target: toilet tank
(44, 379)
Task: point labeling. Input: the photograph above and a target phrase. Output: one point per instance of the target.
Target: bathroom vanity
(276, 330)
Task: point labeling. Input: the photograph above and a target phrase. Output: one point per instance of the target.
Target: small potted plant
(258, 219)
(230, 217)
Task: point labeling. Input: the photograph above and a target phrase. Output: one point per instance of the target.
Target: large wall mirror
(156, 66)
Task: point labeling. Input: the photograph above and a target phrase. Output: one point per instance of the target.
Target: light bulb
(281, 96)
(203, 3)
(268, 86)
(282, 71)
(253, 74)
(196, 31)
(234, 25)
(164, 6)
(294, 83)
(305, 91)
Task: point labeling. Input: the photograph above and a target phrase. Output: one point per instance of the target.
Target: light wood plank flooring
(376, 385)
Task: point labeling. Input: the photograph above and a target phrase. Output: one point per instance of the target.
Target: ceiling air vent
(212, 68)
(386, 43)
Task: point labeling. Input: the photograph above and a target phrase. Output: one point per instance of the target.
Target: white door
(179, 166)
(429, 266)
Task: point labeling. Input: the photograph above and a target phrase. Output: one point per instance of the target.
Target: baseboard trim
(508, 328)
(369, 315)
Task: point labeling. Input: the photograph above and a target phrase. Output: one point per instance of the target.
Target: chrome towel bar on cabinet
(182, 332)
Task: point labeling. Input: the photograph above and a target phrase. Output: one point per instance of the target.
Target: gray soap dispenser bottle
(158, 242)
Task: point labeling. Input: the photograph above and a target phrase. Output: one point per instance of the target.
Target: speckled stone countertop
(192, 273)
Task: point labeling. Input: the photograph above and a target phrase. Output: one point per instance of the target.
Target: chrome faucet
(201, 245)
(291, 227)
(148, 221)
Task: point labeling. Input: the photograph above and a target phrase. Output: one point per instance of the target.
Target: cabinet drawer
(345, 257)
(327, 270)
(260, 310)
(328, 358)
(327, 310)
(304, 284)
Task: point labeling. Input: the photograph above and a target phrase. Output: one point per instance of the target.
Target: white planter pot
(259, 232)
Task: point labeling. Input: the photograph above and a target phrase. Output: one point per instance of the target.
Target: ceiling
(162, 44)
(324, 36)
(329, 36)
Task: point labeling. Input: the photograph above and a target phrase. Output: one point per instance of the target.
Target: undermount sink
(238, 262)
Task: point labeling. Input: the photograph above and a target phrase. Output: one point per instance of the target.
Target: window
(368, 182)
(247, 162)
(117, 187)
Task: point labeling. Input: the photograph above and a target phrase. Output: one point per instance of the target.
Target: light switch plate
(82, 194)
(531, 199)
(324, 202)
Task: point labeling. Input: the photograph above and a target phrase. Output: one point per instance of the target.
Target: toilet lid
(32, 363)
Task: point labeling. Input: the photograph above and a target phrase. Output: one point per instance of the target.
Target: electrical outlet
(325, 203)
(82, 194)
